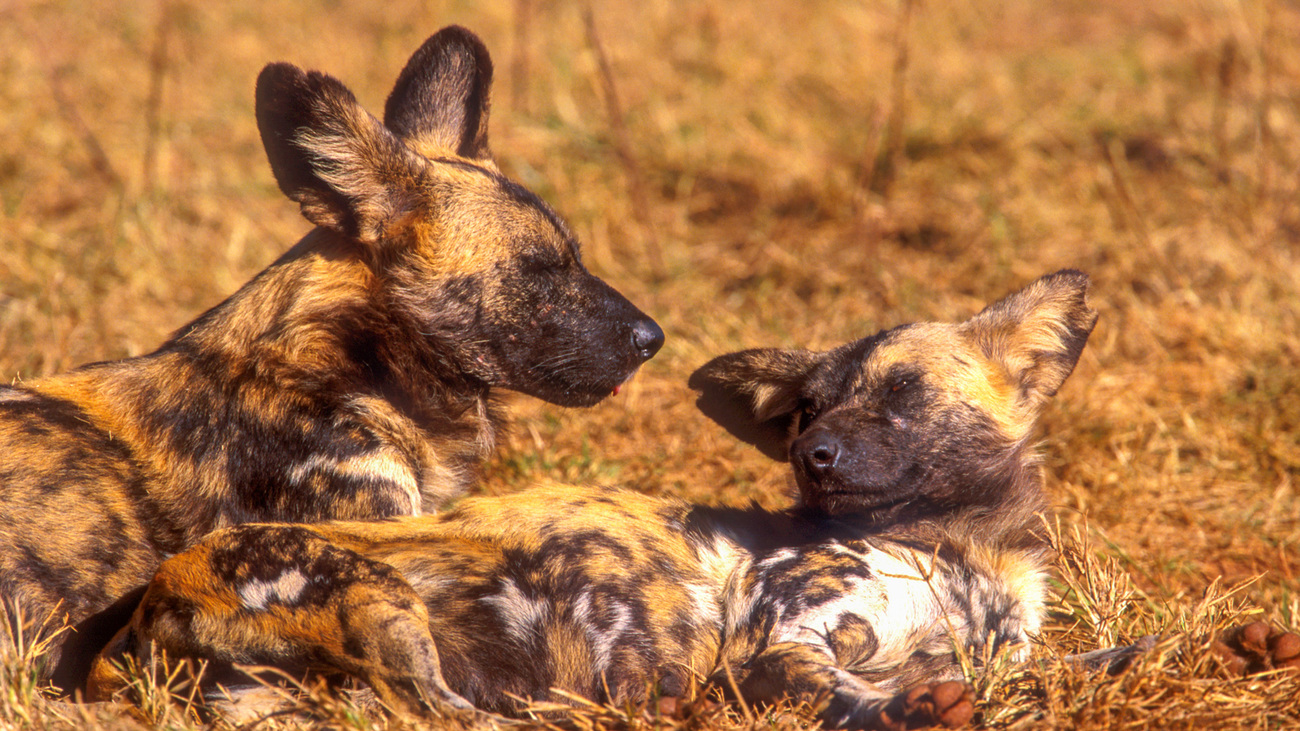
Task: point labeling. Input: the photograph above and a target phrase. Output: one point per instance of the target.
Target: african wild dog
(352, 379)
(912, 451)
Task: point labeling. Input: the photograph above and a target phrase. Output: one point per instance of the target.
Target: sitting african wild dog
(912, 453)
(352, 379)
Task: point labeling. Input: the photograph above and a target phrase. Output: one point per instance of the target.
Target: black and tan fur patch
(913, 546)
(352, 379)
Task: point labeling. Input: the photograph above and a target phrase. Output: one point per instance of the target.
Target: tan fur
(892, 570)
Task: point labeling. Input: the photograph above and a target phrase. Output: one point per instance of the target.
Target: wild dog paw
(1256, 647)
(949, 704)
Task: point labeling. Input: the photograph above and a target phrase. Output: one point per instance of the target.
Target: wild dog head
(917, 421)
(460, 254)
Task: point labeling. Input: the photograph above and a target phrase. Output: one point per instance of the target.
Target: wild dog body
(913, 544)
(616, 595)
(352, 379)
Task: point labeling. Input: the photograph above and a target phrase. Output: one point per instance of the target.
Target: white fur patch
(286, 589)
(905, 611)
(602, 641)
(725, 563)
(812, 626)
(14, 396)
(522, 616)
(704, 606)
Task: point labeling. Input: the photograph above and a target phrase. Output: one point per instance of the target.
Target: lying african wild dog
(352, 379)
(912, 453)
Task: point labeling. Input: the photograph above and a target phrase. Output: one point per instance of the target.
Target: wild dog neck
(321, 320)
(760, 532)
(1012, 527)
(299, 398)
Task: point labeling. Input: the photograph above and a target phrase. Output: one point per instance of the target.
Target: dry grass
(774, 173)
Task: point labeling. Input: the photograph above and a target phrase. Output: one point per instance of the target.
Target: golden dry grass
(780, 191)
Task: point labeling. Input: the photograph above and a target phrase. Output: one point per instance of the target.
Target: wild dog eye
(537, 268)
(540, 261)
(808, 412)
(899, 385)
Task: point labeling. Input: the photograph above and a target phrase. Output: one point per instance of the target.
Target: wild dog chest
(876, 605)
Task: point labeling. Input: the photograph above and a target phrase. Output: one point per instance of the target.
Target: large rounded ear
(1037, 333)
(346, 170)
(440, 101)
(755, 394)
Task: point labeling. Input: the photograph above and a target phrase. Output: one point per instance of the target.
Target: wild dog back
(353, 378)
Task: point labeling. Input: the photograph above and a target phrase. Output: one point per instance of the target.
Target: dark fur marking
(847, 598)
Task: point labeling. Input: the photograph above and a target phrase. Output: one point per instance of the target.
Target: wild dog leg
(1113, 660)
(1245, 650)
(795, 669)
(286, 597)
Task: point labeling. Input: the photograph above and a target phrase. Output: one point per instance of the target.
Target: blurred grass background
(767, 173)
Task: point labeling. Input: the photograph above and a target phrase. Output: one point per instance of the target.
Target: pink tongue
(616, 390)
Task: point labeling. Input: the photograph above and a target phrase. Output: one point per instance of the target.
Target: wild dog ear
(440, 101)
(754, 394)
(346, 170)
(1037, 333)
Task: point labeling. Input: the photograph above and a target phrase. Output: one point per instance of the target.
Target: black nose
(818, 453)
(647, 338)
